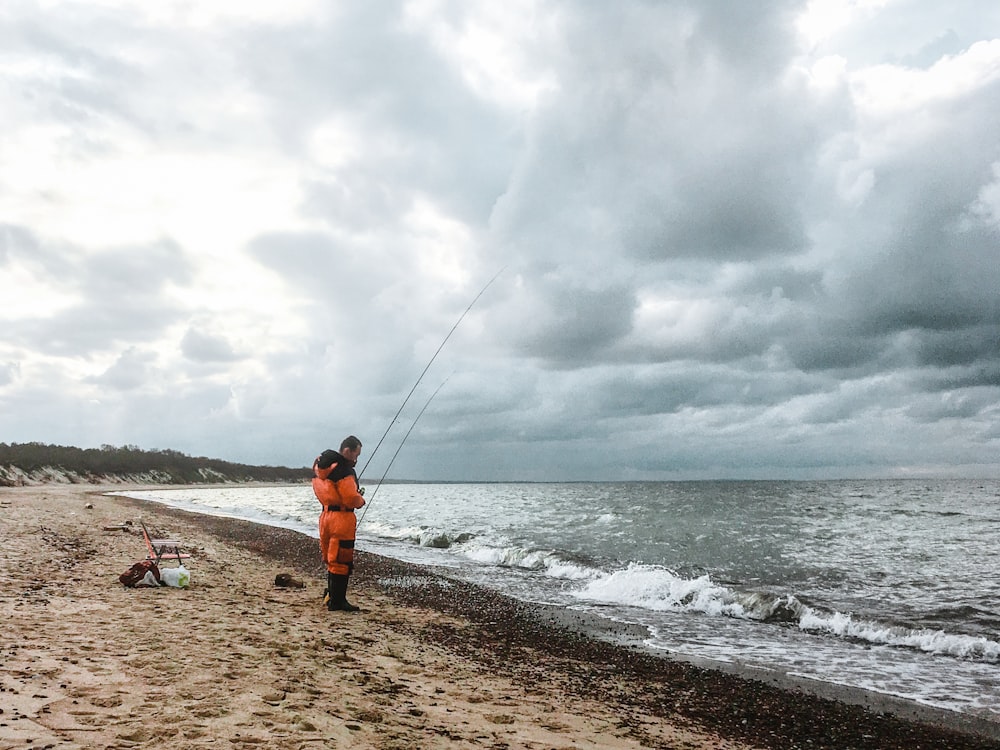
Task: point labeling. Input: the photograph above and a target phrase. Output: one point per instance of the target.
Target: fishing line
(368, 504)
(405, 400)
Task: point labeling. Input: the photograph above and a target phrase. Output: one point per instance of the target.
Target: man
(336, 486)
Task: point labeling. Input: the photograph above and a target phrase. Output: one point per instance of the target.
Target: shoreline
(633, 637)
(553, 679)
(630, 637)
(557, 621)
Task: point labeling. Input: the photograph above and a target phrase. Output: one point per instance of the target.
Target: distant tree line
(168, 466)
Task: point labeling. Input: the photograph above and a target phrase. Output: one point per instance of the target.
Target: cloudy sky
(733, 239)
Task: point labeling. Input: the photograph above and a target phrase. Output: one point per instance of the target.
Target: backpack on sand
(135, 576)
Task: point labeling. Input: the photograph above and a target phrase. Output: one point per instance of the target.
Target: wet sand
(234, 661)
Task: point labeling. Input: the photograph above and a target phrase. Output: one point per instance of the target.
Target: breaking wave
(660, 589)
(497, 552)
(422, 536)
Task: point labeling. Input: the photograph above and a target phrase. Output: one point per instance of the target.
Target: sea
(890, 586)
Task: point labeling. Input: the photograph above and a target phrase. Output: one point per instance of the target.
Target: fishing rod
(368, 504)
(406, 400)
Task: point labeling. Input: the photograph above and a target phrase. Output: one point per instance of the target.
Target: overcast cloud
(754, 240)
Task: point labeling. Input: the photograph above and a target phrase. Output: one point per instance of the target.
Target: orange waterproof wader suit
(336, 488)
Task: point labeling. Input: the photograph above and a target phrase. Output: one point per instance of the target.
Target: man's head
(350, 448)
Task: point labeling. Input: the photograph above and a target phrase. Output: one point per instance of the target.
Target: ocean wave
(495, 551)
(929, 641)
(981, 616)
(553, 564)
(422, 536)
(661, 589)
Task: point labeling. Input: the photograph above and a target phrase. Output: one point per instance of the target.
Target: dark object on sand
(285, 580)
(135, 577)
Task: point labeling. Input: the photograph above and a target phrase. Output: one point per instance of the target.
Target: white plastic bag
(178, 577)
(148, 580)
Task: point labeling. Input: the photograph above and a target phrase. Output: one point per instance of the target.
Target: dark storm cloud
(732, 176)
(984, 372)
(924, 275)
(668, 140)
(650, 391)
(930, 276)
(719, 212)
(835, 348)
(570, 326)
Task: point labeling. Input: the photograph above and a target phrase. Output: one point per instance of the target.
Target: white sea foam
(513, 556)
(556, 567)
(930, 641)
(496, 551)
(660, 589)
(420, 535)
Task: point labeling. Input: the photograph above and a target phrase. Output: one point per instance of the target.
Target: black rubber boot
(344, 604)
(338, 594)
(330, 599)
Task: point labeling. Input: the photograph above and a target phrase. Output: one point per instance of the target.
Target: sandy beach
(234, 661)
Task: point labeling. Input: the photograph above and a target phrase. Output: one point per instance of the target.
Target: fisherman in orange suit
(336, 486)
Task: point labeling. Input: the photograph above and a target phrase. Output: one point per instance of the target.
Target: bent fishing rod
(398, 449)
(406, 400)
